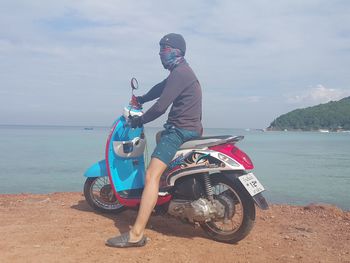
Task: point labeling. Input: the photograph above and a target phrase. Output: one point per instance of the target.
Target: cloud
(85, 52)
(317, 95)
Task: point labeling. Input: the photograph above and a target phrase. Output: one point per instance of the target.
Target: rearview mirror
(134, 84)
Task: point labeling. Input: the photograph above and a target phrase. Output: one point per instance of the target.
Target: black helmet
(175, 41)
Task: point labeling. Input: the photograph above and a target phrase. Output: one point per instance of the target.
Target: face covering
(170, 57)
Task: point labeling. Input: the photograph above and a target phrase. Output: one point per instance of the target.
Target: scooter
(208, 183)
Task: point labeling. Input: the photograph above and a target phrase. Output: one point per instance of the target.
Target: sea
(297, 168)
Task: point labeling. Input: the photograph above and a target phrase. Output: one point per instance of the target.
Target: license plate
(251, 183)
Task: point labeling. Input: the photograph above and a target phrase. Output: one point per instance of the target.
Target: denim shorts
(170, 141)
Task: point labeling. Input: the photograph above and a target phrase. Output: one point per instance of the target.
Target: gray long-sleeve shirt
(181, 89)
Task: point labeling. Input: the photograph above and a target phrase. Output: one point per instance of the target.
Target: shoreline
(61, 227)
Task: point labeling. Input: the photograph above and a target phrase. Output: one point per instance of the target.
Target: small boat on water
(88, 128)
(323, 130)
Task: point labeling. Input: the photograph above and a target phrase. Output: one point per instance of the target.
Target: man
(181, 89)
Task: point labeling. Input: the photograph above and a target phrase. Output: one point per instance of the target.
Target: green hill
(333, 116)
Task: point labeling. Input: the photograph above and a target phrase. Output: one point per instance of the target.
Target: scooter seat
(208, 141)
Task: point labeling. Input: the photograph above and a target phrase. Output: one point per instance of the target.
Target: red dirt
(61, 227)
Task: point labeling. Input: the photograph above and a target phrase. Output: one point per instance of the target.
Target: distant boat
(88, 128)
(260, 130)
(323, 130)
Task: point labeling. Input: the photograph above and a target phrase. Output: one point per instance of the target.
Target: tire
(100, 196)
(233, 198)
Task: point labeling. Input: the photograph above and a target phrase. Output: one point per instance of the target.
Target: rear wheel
(239, 214)
(99, 194)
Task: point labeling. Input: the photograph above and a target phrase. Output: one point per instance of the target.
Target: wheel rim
(102, 194)
(227, 226)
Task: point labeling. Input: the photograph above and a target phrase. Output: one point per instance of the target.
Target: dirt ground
(61, 227)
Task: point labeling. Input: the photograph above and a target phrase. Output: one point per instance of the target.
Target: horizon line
(102, 126)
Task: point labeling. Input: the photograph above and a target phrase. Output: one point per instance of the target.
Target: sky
(70, 62)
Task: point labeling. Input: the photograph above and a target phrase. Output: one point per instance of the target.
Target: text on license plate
(251, 183)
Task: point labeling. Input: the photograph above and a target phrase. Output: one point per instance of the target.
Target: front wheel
(99, 194)
(239, 211)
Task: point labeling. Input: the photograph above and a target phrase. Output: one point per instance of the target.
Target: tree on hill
(333, 115)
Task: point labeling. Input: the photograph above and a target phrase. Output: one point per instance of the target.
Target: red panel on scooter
(235, 153)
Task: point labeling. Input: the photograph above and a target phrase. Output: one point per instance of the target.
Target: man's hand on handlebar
(136, 101)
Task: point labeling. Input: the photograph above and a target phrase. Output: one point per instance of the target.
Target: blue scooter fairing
(125, 158)
(97, 170)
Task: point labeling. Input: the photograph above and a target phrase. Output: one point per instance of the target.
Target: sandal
(123, 241)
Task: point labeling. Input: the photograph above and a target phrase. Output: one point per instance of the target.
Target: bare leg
(148, 199)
